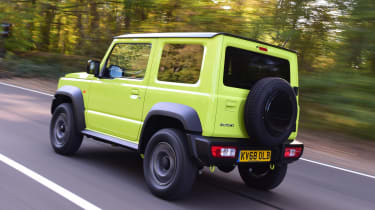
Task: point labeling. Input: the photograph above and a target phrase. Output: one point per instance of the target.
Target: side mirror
(93, 67)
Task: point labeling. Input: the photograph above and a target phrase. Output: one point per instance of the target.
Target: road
(110, 177)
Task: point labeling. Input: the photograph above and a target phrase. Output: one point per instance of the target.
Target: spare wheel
(270, 111)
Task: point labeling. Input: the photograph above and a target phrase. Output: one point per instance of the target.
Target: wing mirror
(93, 67)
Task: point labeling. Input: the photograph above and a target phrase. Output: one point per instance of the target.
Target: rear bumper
(200, 148)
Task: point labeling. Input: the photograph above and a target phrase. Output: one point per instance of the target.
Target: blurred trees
(328, 34)
(357, 49)
(335, 39)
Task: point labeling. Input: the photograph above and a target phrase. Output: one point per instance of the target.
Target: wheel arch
(73, 95)
(168, 115)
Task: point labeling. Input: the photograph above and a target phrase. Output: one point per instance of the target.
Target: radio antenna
(286, 41)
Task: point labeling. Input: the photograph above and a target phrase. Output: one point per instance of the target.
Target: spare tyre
(270, 111)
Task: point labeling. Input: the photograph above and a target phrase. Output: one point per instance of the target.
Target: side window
(128, 61)
(181, 63)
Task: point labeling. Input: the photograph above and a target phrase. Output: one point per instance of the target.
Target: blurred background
(335, 41)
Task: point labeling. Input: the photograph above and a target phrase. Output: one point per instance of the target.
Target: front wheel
(64, 136)
(168, 169)
(263, 177)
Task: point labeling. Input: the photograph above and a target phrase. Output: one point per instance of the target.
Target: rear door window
(181, 63)
(244, 68)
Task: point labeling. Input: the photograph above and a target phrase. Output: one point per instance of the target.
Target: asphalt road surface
(101, 176)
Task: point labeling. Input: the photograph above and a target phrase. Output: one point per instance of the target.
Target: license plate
(255, 156)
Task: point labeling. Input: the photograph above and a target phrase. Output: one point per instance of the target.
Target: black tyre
(270, 111)
(168, 169)
(262, 177)
(64, 136)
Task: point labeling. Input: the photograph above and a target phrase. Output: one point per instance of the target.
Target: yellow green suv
(185, 101)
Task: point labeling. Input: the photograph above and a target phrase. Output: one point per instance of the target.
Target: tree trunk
(94, 16)
(80, 32)
(128, 14)
(46, 27)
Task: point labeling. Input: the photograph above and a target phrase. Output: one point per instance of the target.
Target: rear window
(243, 68)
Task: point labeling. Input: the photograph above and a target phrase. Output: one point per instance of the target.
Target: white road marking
(307, 160)
(22, 88)
(338, 168)
(49, 184)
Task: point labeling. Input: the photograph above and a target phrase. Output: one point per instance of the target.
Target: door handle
(230, 104)
(135, 92)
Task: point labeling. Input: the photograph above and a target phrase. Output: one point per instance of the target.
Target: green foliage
(323, 32)
(36, 64)
(339, 101)
(357, 47)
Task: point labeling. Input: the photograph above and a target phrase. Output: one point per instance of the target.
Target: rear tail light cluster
(223, 151)
(230, 152)
(293, 152)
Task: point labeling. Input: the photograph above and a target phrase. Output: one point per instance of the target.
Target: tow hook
(272, 166)
(212, 168)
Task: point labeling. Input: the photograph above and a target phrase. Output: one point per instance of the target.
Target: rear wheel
(168, 169)
(64, 136)
(263, 177)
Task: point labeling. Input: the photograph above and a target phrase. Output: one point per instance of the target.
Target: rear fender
(185, 115)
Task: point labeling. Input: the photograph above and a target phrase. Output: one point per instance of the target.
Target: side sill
(110, 139)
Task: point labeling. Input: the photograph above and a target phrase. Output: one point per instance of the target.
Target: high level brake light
(262, 48)
(223, 152)
(292, 152)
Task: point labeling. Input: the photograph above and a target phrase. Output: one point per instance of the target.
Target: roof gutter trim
(194, 35)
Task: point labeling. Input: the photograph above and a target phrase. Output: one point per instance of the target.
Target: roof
(170, 35)
(192, 35)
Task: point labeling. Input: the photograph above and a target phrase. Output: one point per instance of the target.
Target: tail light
(293, 152)
(223, 151)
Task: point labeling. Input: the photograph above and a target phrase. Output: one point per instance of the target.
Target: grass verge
(342, 102)
(40, 64)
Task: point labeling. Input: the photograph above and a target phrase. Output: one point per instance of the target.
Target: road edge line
(49, 184)
(22, 88)
(338, 168)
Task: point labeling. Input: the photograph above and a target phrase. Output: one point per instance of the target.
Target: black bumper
(200, 149)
